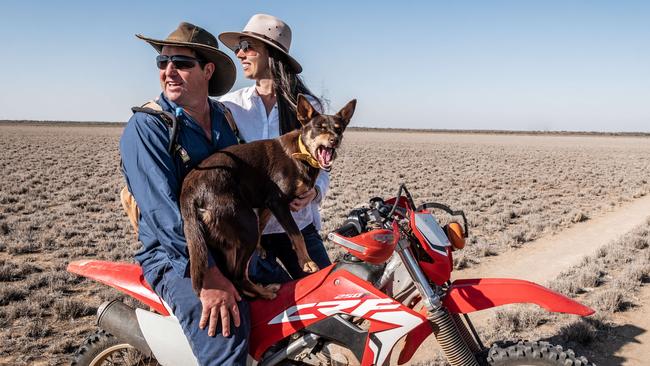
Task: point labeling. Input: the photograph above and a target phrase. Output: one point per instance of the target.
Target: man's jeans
(186, 306)
(278, 246)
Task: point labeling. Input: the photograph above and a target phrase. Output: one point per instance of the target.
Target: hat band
(276, 43)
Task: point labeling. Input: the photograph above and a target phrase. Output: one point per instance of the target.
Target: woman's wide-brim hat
(268, 29)
(205, 45)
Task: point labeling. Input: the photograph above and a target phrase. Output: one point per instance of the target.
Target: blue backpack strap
(168, 118)
(231, 121)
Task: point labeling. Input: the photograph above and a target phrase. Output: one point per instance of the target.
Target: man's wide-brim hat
(206, 47)
(268, 29)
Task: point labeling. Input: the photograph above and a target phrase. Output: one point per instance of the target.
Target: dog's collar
(305, 156)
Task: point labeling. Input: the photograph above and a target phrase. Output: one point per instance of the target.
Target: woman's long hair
(287, 85)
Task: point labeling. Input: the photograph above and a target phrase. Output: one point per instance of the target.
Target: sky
(495, 65)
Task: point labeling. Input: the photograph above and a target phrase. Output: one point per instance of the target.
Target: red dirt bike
(394, 282)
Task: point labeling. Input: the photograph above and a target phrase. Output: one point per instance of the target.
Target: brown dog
(219, 196)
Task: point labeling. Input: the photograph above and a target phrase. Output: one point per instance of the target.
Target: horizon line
(366, 128)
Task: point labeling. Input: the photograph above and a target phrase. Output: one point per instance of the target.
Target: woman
(267, 110)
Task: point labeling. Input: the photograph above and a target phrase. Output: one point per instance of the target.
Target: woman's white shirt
(253, 123)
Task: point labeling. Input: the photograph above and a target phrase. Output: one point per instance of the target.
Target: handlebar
(349, 229)
(382, 213)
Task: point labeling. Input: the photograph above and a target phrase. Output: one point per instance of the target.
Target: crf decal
(328, 308)
(393, 324)
(288, 316)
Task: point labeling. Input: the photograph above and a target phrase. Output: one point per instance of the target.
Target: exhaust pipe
(120, 320)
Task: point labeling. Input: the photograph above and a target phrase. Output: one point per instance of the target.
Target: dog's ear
(304, 110)
(346, 112)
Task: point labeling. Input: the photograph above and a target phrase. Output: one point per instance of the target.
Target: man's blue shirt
(154, 177)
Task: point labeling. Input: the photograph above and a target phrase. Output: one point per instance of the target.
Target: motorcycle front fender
(470, 295)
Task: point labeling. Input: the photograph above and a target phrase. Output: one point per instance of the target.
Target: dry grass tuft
(37, 329)
(72, 309)
(566, 286)
(580, 331)
(579, 217)
(11, 293)
(520, 318)
(611, 301)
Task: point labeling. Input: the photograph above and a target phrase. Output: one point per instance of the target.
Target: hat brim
(225, 72)
(231, 40)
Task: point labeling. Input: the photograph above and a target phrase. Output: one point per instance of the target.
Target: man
(191, 68)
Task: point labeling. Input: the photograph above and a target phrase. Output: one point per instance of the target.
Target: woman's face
(254, 58)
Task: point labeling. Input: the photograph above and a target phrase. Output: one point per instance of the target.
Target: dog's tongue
(324, 157)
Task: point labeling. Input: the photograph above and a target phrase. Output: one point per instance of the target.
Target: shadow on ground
(610, 338)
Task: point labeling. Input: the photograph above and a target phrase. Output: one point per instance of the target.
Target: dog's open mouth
(324, 155)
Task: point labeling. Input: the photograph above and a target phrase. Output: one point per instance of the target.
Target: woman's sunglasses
(244, 46)
(180, 62)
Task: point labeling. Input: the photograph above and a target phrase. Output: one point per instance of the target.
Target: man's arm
(153, 180)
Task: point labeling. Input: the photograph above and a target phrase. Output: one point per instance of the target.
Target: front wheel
(525, 353)
(103, 348)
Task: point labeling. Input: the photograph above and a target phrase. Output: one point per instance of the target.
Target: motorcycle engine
(331, 354)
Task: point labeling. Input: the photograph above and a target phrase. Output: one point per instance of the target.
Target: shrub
(579, 217)
(24, 248)
(11, 292)
(612, 300)
(520, 318)
(5, 228)
(10, 271)
(37, 329)
(581, 332)
(71, 309)
(565, 285)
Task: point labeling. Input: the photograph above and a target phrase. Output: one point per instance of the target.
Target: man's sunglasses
(180, 62)
(244, 46)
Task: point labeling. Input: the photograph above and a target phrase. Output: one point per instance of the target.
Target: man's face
(186, 86)
(254, 60)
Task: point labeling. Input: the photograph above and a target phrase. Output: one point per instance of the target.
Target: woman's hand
(302, 201)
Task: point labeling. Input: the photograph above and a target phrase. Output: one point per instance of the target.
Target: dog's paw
(310, 267)
(275, 287)
(269, 292)
(249, 293)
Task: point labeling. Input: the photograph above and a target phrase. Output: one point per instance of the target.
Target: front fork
(451, 334)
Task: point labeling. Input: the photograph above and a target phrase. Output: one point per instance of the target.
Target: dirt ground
(59, 189)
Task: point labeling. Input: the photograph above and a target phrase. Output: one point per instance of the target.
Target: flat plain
(59, 202)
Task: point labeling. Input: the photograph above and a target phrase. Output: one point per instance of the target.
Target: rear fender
(469, 295)
(126, 277)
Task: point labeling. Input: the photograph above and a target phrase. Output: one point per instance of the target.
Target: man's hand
(301, 202)
(219, 299)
